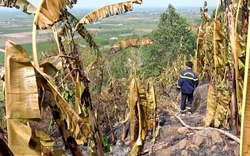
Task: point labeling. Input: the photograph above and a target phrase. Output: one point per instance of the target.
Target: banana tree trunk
(245, 128)
(100, 78)
(235, 73)
(244, 20)
(86, 101)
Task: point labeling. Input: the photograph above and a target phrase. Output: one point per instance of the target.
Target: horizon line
(135, 8)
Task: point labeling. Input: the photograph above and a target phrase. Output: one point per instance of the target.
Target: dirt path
(176, 139)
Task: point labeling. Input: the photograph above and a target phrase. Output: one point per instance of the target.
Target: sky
(149, 3)
(95, 4)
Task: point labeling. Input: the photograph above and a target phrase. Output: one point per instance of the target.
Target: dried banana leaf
(109, 10)
(20, 84)
(133, 100)
(72, 20)
(19, 136)
(222, 107)
(211, 105)
(23, 5)
(76, 125)
(49, 13)
(79, 129)
(51, 65)
(25, 141)
(132, 42)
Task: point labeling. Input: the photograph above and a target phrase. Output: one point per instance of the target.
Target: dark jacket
(187, 82)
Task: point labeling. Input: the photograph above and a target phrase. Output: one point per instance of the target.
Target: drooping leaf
(23, 5)
(76, 125)
(72, 128)
(133, 99)
(141, 100)
(133, 102)
(25, 141)
(211, 105)
(71, 20)
(50, 13)
(132, 42)
(221, 110)
(151, 107)
(51, 65)
(87, 102)
(217, 29)
(20, 84)
(109, 10)
(19, 136)
(70, 2)
(78, 93)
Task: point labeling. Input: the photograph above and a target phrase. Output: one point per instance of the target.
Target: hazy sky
(146, 3)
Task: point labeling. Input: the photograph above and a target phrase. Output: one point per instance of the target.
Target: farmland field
(17, 28)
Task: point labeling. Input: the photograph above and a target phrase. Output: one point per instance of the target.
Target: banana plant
(228, 52)
(25, 90)
(141, 100)
(204, 43)
(142, 115)
(235, 71)
(43, 23)
(47, 15)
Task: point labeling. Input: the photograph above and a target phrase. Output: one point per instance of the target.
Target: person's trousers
(186, 106)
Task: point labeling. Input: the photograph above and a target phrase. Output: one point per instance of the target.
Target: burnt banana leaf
(131, 42)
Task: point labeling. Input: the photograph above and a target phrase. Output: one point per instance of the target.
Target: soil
(24, 37)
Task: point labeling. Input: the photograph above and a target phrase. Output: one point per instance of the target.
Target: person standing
(187, 83)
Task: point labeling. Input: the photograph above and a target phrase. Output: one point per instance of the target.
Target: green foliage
(170, 38)
(3, 122)
(118, 64)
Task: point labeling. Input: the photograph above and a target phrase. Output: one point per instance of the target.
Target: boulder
(199, 137)
(180, 145)
(215, 136)
(200, 98)
(183, 130)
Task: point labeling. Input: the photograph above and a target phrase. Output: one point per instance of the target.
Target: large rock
(167, 132)
(199, 137)
(200, 99)
(180, 145)
(215, 136)
(207, 137)
(183, 130)
(163, 152)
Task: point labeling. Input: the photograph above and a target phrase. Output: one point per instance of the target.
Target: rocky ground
(174, 138)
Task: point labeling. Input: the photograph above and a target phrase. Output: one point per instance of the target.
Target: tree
(170, 34)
